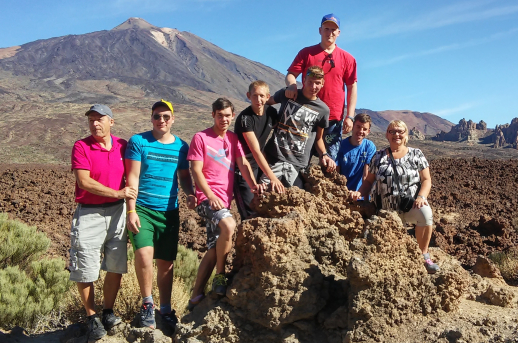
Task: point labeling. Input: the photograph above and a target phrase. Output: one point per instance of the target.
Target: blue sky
(456, 59)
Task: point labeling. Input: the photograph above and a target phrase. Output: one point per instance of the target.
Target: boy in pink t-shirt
(214, 153)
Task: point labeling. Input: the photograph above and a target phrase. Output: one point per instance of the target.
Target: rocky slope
(316, 268)
(427, 123)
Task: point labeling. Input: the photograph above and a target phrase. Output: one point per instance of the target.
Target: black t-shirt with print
(248, 121)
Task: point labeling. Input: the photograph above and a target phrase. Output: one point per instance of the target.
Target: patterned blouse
(384, 189)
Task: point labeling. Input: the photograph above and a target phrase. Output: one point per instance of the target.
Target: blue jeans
(333, 137)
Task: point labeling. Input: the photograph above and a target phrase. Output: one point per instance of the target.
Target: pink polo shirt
(106, 167)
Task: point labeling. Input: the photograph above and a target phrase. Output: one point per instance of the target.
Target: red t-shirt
(106, 167)
(344, 72)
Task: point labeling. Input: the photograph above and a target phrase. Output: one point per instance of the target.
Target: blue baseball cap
(101, 109)
(331, 18)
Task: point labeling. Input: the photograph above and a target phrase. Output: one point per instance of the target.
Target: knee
(228, 228)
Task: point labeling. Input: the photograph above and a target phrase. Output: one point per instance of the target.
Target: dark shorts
(212, 219)
(159, 229)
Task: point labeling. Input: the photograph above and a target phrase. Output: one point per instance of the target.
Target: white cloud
(440, 49)
(390, 24)
(460, 108)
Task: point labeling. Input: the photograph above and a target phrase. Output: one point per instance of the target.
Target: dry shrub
(129, 299)
(507, 262)
(30, 288)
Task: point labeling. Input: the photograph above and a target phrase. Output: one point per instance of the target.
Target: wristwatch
(351, 117)
(421, 196)
(324, 154)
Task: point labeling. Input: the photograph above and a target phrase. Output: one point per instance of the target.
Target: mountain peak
(134, 23)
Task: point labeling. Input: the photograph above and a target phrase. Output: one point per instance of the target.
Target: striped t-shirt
(158, 181)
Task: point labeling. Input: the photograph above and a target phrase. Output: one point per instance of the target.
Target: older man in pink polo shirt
(99, 223)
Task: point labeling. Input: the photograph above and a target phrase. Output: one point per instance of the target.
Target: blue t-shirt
(158, 182)
(352, 159)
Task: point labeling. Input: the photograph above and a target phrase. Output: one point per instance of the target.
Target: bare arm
(352, 96)
(365, 188)
(325, 160)
(291, 83)
(365, 172)
(197, 173)
(253, 144)
(246, 172)
(84, 181)
(271, 101)
(426, 185)
(186, 183)
(132, 180)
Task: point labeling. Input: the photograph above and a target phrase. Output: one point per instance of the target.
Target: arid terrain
(474, 205)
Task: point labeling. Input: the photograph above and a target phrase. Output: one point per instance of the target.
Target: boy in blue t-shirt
(155, 161)
(356, 152)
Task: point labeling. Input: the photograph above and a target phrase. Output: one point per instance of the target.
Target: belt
(106, 204)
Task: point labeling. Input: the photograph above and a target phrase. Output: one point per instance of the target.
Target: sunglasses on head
(316, 75)
(166, 117)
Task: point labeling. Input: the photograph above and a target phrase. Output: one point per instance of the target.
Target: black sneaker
(219, 284)
(169, 319)
(147, 316)
(110, 320)
(95, 329)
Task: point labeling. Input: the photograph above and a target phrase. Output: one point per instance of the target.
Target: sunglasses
(393, 132)
(331, 60)
(166, 117)
(315, 75)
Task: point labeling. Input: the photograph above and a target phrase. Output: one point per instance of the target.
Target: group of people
(131, 188)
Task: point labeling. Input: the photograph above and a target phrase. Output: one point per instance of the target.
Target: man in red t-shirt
(99, 223)
(340, 69)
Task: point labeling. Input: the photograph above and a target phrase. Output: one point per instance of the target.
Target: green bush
(186, 266)
(29, 289)
(21, 244)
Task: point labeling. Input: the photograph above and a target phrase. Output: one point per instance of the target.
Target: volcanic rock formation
(312, 268)
(465, 130)
(416, 134)
(506, 134)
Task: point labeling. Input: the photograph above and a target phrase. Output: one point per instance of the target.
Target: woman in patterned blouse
(413, 180)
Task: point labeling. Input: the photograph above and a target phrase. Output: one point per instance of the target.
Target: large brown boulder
(313, 268)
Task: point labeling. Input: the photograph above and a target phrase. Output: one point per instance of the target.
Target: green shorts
(158, 229)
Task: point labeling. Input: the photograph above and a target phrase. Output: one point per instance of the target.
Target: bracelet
(131, 211)
(351, 117)
(324, 154)
(421, 196)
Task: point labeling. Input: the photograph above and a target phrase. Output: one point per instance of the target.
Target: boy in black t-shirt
(253, 126)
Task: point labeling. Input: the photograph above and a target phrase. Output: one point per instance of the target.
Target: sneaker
(147, 316)
(192, 304)
(431, 267)
(110, 320)
(95, 329)
(169, 319)
(219, 284)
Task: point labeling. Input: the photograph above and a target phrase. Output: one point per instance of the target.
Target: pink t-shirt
(219, 162)
(106, 167)
(344, 72)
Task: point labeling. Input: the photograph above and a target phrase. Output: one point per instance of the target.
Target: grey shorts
(212, 219)
(96, 231)
(421, 217)
(286, 173)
